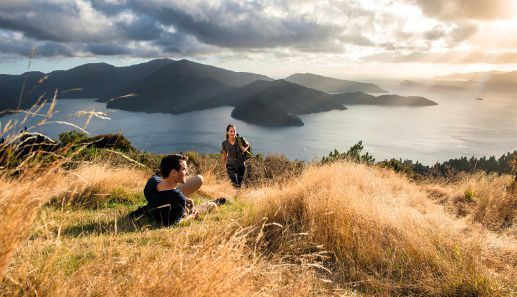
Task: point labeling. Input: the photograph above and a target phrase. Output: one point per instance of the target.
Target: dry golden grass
(264, 170)
(93, 185)
(22, 197)
(387, 237)
(199, 261)
(333, 230)
(77, 251)
(487, 199)
(20, 201)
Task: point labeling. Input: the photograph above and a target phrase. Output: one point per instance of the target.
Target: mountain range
(170, 86)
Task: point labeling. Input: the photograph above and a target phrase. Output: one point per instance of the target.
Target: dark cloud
(62, 22)
(142, 28)
(465, 9)
(10, 45)
(235, 25)
(109, 8)
(51, 49)
(177, 43)
(23, 47)
(240, 25)
(107, 49)
(73, 22)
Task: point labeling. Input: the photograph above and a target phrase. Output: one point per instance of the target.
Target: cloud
(77, 21)
(463, 31)
(466, 9)
(12, 44)
(107, 49)
(455, 57)
(54, 21)
(174, 43)
(436, 33)
(140, 28)
(237, 24)
(109, 7)
(178, 26)
(356, 39)
(396, 30)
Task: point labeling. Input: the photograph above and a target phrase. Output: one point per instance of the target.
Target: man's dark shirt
(166, 206)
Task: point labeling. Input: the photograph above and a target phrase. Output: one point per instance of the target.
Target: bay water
(461, 125)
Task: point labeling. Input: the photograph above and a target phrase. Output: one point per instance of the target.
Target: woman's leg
(232, 174)
(192, 184)
(240, 174)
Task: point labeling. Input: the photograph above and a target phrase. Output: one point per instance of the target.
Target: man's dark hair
(171, 162)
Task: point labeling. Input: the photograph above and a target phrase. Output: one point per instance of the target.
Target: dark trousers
(236, 173)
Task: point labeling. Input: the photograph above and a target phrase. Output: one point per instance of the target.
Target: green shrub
(73, 137)
(469, 195)
(112, 141)
(150, 160)
(398, 166)
(272, 168)
(353, 154)
(194, 159)
(106, 141)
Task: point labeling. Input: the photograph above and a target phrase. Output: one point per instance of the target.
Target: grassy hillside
(340, 228)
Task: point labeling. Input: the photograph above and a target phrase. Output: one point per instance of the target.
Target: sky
(368, 39)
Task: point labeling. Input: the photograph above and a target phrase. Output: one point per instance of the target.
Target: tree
(353, 154)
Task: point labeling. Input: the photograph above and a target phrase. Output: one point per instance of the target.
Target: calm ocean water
(459, 126)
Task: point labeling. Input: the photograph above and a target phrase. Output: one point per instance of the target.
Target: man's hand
(189, 204)
(194, 215)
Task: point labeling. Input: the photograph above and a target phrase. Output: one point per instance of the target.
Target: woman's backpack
(242, 142)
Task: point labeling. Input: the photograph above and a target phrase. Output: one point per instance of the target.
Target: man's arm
(194, 215)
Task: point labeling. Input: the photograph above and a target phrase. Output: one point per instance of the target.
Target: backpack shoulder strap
(241, 146)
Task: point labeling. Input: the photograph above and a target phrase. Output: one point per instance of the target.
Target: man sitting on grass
(167, 195)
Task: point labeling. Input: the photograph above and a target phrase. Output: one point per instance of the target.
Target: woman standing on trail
(232, 155)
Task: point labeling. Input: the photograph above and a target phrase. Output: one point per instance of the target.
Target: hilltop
(296, 229)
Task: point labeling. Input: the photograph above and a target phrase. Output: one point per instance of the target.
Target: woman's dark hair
(171, 162)
(228, 129)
